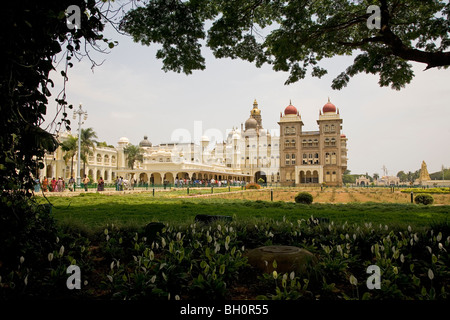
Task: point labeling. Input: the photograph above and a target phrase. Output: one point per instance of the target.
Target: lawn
(95, 210)
(104, 234)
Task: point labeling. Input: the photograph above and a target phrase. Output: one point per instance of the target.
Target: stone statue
(424, 176)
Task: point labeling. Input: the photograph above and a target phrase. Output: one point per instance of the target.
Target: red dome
(329, 107)
(290, 109)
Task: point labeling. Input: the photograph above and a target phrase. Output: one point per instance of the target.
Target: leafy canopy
(295, 36)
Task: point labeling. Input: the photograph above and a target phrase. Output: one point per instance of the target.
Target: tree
(402, 176)
(376, 176)
(348, 178)
(294, 36)
(32, 33)
(88, 143)
(70, 147)
(133, 153)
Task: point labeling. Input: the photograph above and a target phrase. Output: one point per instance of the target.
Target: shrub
(252, 186)
(304, 197)
(423, 198)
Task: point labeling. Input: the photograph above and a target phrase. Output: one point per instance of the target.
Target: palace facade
(249, 154)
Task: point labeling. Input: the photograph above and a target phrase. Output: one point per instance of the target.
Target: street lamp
(80, 112)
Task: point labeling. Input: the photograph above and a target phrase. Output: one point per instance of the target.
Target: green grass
(93, 211)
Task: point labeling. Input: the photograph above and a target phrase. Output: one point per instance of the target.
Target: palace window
(333, 128)
(333, 141)
(293, 159)
(287, 159)
(327, 141)
(327, 158)
(326, 128)
(316, 143)
(287, 144)
(333, 158)
(292, 143)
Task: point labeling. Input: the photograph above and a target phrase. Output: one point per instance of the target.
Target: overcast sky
(130, 96)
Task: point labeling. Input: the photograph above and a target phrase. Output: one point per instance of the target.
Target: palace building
(248, 154)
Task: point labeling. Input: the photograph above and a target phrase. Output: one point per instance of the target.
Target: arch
(49, 171)
(143, 178)
(182, 175)
(260, 175)
(98, 174)
(106, 175)
(302, 177)
(106, 159)
(156, 178)
(168, 176)
(315, 176)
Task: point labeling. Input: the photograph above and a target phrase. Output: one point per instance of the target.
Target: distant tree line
(406, 177)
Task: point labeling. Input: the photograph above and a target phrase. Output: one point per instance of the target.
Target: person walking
(60, 185)
(101, 184)
(86, 180)
(71, 183)
(53, 185)
(45, 184)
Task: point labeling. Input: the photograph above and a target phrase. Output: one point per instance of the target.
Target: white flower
(430, 274)
(353, 280)
(402, 258)
(26, 280)
(151, 255)
(61, 251)
(177, 297)
(110, 278)
(22, 259)
(395, 269)
(163, 242)
(439, 237)
(292, 275)
(275, 274)
(112, 265)
(153, 279)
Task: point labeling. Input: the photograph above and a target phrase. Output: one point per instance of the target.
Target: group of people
(59, 185)
(54, 185)
(206, 182)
